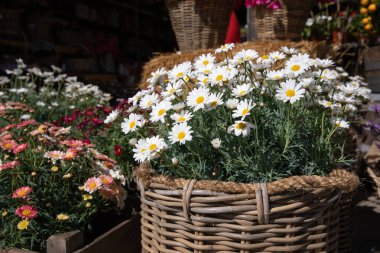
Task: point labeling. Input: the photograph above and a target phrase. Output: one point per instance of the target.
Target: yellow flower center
(26, 212)
(219, 78)
(132, 124)
(265, 57)
(205, 62)
(247, 58)
(241, 125)
(186, 78)
(181, 135)
(207, 71)
(329, 103)
(179, 74)
(205, 80)
(161, 112)
(243, 92)
(55, 155)
(22, 193)
(295, 67)
(22, 225)
(152, 147)
(181, 119)
(277, 77)
(245, 111)
(290, 93)
(200, 99)
(92, 185)
(8, 146)
(171, 91)
(54, 168)
(213, 103)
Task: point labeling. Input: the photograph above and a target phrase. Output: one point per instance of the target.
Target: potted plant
(241, 154)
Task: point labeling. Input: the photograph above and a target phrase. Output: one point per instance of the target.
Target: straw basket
(199, 23)
(287, 22)
(297, 214)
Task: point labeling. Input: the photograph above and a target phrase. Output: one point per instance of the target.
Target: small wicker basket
(297, 214)
(286, 23)
(199, 24)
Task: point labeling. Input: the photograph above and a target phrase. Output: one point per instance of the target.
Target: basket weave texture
(199, 23)
(296, 214)
(287, 22)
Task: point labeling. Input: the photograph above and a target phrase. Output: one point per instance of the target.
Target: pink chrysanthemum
(70, 154)
(92, 184)
(54, 155)
(9, 165)
(6, 137)
(20, 148)
(106, 180)
(22, 192)
(8, 145)
(73, 143)
(26, 123)
(26, 212)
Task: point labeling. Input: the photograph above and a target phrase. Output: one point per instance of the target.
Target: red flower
(26, 212)
(96, 121)
(118, 150)
(20, 148)
(9, 165)
(26, 123)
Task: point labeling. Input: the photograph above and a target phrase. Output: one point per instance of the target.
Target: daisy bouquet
(51, 183)
(248, 118)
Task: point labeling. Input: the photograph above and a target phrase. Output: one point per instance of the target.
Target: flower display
(248, 118)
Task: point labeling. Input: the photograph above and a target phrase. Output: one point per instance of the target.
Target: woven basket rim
(340, 179)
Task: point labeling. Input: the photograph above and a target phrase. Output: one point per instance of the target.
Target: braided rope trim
(338, 179)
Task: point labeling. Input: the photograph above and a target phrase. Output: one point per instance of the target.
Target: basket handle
(186, 197)
(262, 203)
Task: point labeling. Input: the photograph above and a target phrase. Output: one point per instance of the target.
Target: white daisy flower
(276, 56)
(340, 123)
(243, 109)
(297, 64)
(241, 90)
(140, 151)
(180, 133)
(172, 89)
(326, 104)
(264, 59)
(149, 100)
(131, 124)
(214, 100)
(180, 71)
(246, 55)
(203, 79)
(160, 110)
(276, 75)
(205, 61)
(325, 63)
(154, 146)
(315, 89)
(157, 76)
(232, 103)
(136, 98)
(327, 75)
(225, 48)
(241, 128)
(290, 91)
(219, 75)
(288, 50)
(179, 106)
(111, 117)
(197, 98)
(183, 116)
(307, 82)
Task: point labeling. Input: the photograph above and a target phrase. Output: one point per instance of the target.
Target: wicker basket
(297, 214)
(286, 23)
(198, 23)
(375, 175)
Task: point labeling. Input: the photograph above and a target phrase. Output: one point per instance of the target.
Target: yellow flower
(22, 225)
(67, 176)
(88, 204)
(62, 217)
(372, 7)
(87, 197)
(4, 213)
(81, 188)
(54, 169)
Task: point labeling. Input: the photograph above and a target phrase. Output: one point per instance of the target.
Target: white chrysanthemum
(154, 146)
(25, 116)
(315, 89)
(203, 79)
(179, 106)
(136, 98)
(205, 62)
(349, 108)
(265, 60)
(216, 143)
(288, 50)
(246, 55)
(241, 128)
(329, 104)
(343, 98)
(290, 91)
(340, 123)
(214, 100)
(276, 75)
(197, 98)
(180, 71)
(160, 110)
(306, 82)
(172, 89)
(180, 133)
(276, 56)
(327, 75)
(325, 63)
(131, 123)
(241, 90)
(232, 103)
(225, 48)
(243, 109)
(350, 88)
(297, 64)
(157, 76)
(140, 151)
(183, 116)
(111, 117)
(219, 75)
(148, 101)
(40, 103)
